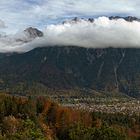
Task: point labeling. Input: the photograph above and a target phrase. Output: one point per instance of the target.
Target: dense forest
(40, 118)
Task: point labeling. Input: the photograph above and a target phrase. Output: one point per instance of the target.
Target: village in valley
(126, 106)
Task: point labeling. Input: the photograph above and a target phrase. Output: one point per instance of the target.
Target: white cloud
(99, 34)
(18, 14)
(2, 24)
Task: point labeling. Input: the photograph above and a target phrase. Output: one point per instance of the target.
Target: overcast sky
(18, 14)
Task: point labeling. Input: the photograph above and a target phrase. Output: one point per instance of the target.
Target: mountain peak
(128, 18)
(33, 32)
(73, 20)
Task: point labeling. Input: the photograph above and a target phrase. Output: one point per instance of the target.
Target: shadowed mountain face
(70, 67)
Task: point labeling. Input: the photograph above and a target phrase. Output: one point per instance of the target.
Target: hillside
(109, 69)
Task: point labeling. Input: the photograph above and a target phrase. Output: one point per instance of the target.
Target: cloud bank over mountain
(100, 33)
(103, 32)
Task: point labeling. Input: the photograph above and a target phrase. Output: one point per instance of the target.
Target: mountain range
(70, 67)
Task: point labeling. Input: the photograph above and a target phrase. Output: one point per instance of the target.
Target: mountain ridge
(91, 20)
